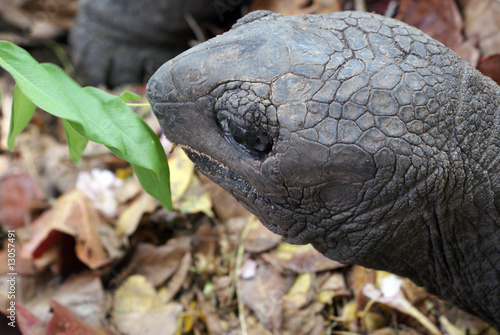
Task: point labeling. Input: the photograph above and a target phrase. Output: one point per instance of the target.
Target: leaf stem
(139, 105)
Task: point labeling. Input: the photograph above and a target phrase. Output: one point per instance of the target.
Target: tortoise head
(306, 120)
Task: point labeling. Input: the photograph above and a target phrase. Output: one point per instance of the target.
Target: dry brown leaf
(303, 258)
(17, 316)
(139, 309)
(114, 246)
(225, 205)
(263, 294)
(39, 19)
(179, 278)
(150, 323)
(468, 323)
(388, 292)
(441, 20)
(18, 194)
(382, 7)
(59, 172)
(258, 238)
(72, 215)
(131, 187)
(392, 331)
(333, 286)
(4, 165)
(83, 294)
(28, 323)
(254, 327)
(206, 239)
(358, 277)
(293, 7)
(414, 293)
(206, 242)
(305, 321)
(490, 66)
(158, 264)
(211, 320)
(10, 11)
(64, 322)
(222, 288)
(482, 19)
(31, 145)
(131, 217)
(334, 282)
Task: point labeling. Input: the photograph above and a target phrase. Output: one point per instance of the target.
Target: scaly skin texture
(353, 132)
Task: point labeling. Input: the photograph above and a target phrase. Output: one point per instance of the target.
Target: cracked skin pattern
(353, 132)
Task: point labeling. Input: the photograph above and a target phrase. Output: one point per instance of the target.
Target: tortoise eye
(253, 142)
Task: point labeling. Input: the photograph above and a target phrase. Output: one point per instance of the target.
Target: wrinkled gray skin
(353, 132)
(116, 42)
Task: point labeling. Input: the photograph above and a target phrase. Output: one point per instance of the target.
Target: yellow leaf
(350, 311)
(297, 296)
(302, 284)
(188, 194)
(326, 296)
(372, 321)
(181, 174)
(139, 309)
(136, 294)
(190, 317)
(130, 218)
(195, 199)
(285, 251)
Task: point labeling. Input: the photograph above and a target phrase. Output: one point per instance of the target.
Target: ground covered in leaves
(95, 254)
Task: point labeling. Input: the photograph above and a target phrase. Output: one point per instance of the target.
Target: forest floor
(95, 254)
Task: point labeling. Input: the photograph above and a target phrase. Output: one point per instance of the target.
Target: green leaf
(41, 88)
(94, 122)
(115, 125)
(129, 96)
(76, 142)
(22, 112)
(144, 146)
(89, 113)
(160, 189)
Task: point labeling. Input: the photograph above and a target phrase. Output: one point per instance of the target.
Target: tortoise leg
(125, 41)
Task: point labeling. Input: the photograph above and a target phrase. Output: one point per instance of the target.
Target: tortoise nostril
(160, 88)
(307, 4)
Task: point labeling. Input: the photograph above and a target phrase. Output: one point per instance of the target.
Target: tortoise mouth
(252, 199)
(268, 212)
(227, 179)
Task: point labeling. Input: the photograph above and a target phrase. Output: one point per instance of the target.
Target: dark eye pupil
(256, 144)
